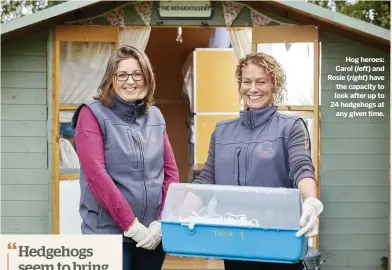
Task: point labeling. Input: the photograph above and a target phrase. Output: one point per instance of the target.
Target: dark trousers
(242, 265)
(142, 259)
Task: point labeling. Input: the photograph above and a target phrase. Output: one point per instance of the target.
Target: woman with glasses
(127, 162)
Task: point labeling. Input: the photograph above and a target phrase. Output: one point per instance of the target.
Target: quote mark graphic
(11, 245)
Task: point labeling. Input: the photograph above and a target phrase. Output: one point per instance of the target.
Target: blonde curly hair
(271, 67)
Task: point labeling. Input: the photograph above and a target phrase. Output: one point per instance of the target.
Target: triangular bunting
(259, 19)
(144, 9)
(231, 11)
(116, 17)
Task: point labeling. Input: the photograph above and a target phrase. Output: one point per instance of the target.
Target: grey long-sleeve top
(260, 148)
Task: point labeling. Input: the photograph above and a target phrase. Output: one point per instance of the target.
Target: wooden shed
(53, 60)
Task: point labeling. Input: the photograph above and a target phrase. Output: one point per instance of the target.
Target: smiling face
(129, 75)
(129, 81)
(256, 87)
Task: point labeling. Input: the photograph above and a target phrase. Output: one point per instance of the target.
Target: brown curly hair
(271, 67)
(106, 91)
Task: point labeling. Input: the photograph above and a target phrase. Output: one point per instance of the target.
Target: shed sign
(185, 10)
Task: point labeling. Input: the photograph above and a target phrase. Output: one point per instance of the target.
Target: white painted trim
(44, 14)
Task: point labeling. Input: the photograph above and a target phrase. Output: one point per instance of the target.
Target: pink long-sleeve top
(90, 149)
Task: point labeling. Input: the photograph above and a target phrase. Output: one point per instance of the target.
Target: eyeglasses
(123, 76)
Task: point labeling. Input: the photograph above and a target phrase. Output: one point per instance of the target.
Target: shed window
(82, 66)
(297, 60)
(83, 58)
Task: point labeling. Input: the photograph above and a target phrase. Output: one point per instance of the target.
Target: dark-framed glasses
(123, 76)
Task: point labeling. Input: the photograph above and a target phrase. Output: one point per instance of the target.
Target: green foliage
(12, 9)
(375, 12)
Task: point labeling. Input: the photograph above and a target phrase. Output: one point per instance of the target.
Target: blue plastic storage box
(233, 222)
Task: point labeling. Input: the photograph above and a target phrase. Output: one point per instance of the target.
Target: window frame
(73, 33)
(296, 34)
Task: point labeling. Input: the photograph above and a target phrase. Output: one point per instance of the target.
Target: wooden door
(216, 95)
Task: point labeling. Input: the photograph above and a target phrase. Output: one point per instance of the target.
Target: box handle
(191, 228)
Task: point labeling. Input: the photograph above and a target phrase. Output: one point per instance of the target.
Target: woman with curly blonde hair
(266, 148)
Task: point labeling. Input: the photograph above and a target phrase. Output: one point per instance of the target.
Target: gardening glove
(153, 238)
(137, 231)
(311, 209)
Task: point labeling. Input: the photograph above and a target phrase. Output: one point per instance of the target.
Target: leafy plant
(375, 12)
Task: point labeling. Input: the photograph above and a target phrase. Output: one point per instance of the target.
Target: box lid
(233, 205)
